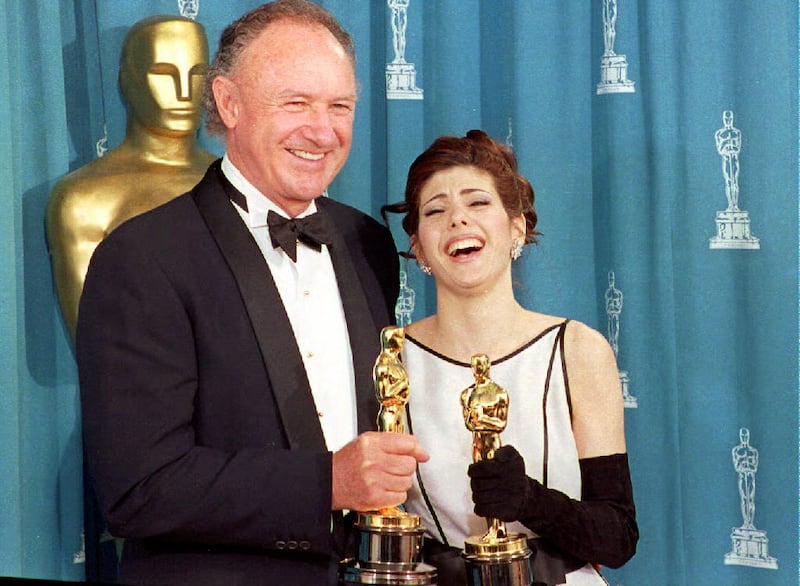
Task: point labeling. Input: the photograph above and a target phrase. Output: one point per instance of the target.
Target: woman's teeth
(464, 246)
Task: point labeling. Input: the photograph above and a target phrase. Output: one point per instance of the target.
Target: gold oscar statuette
(496, 557)
(388, 541)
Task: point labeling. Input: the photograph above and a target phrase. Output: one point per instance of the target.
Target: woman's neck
(492, 323)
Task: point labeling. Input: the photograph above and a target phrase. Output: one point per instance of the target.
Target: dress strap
(558, 346)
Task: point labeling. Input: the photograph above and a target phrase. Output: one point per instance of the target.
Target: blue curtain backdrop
(614, 121)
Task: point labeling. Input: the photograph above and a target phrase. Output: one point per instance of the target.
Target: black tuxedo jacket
(199, 425)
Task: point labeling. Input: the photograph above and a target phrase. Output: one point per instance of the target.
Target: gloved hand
(600, 528)
(499, 486)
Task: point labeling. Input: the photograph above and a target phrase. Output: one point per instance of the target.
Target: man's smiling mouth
(307, 155)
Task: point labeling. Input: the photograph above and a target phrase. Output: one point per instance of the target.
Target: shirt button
(309, 355)
(320, 414)
(306, 293)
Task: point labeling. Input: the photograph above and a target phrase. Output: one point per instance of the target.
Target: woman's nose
(457, 216)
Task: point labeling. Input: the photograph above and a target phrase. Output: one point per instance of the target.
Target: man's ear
(226, 96)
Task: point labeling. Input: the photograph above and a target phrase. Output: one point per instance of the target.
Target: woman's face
(465, 234)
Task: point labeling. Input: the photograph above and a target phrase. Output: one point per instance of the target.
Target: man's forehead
(291, 39)
(293, 61)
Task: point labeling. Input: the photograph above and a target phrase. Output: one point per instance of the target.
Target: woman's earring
(424, 267)
(516, 249)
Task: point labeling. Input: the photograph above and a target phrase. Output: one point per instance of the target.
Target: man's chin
(311, 191)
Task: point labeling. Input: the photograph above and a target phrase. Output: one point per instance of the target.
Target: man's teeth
(308, 156)
(461, 245)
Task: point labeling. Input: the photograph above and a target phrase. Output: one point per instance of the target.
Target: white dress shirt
(310, 294)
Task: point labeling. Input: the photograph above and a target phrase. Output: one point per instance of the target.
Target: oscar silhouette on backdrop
(163, 64)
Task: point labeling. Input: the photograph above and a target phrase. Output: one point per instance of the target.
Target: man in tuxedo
(226, 339)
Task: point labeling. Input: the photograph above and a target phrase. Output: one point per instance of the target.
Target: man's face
(162, 77)
(288, 109)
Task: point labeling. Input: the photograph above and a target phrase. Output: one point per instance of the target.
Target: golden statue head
(392, 338)
(162, 70)
(480, 367)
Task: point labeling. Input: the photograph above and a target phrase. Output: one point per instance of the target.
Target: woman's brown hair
(476, 149)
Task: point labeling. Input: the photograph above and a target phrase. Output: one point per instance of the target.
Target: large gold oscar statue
(162, 71)
(497, 558)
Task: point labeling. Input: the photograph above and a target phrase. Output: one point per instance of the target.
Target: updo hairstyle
(477, 149)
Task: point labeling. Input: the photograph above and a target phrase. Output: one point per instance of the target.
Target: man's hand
(375, 470)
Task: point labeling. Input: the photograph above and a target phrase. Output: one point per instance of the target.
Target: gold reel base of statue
(388, 520)
(515, 545)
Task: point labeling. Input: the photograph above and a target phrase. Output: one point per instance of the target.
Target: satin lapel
(287, 375)
(357, 284)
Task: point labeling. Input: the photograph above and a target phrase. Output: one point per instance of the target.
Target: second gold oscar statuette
(496, 558)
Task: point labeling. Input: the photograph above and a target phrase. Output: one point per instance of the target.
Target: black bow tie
(312, 231)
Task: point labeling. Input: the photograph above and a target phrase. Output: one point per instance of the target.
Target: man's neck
(259, 199)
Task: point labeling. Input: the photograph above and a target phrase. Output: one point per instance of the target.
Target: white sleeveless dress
(538, 426)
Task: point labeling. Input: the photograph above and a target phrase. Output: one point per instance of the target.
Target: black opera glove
(499, 486)
(600, 528)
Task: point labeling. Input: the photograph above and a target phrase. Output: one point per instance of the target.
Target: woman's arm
(597, 408)
(601, 527)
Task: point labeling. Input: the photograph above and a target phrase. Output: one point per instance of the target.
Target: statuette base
(401, 82)
(419, 575)
(614, 76)
(733, 231)
(750, 548)
(496, 562)
(388, 548)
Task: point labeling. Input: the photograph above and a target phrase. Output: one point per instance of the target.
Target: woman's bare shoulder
(581, 338)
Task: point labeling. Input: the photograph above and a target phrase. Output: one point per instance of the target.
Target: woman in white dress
(561, 476)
